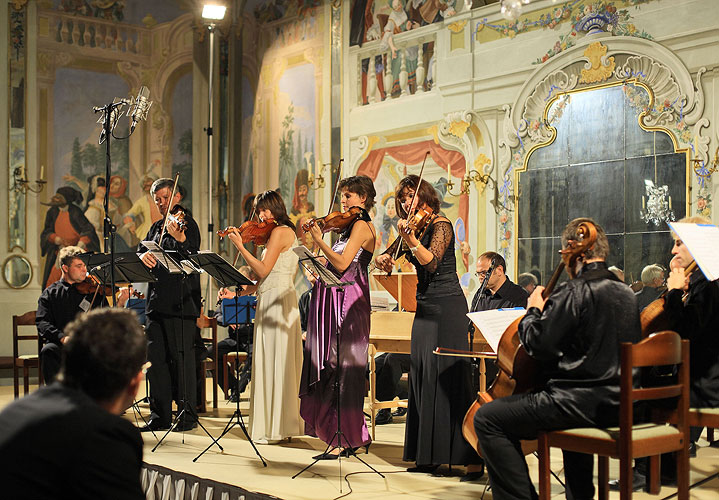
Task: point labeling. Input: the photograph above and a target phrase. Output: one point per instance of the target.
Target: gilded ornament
(480, 161)
(600, 67)
(457, 27)
(458, 128)
(19, 4)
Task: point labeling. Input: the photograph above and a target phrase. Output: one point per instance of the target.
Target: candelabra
(702, 170)
(22, 185)
(470, 177)
(317, 182)
(656, 208)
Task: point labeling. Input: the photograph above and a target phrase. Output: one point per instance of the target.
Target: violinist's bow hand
(385, 262)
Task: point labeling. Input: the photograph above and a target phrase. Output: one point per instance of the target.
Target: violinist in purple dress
(345, 313)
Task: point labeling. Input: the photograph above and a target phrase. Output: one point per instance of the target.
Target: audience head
(617, 272)
(104, 356)
(528, 281)
(653, 275)
(484, 262)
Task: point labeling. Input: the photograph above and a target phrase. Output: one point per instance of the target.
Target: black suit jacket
(57, 443)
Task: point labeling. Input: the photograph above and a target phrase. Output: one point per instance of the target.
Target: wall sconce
(467, 180)
(700, 168)
(21, 183)
(319, 181)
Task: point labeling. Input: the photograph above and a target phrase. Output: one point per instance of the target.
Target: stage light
(213, 11)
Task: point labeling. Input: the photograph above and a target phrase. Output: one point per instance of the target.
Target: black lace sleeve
(438, 244)
(392, 249)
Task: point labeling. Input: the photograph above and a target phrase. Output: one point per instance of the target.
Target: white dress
(277, 355)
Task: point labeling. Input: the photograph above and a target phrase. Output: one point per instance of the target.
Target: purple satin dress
(319, 369)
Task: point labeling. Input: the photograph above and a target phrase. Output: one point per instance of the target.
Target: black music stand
(171, 260)
(226, 276)
(330, 280)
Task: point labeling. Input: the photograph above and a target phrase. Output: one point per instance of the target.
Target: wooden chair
(628, 441)
(234, 358)
(25, 361)
(208, 364)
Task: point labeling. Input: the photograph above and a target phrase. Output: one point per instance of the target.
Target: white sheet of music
(162, 259)
(492, 324)
(702, 240)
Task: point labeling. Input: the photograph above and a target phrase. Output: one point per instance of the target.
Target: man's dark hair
(361, 185)
(106, 349)
(497, 258)
(600, 249)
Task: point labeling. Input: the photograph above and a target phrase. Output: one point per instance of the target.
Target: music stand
(226, 276)
(171, 261)
(330, 280)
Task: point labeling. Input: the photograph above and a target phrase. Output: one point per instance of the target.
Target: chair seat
(639, 432)
(233, 354)
(29, 357)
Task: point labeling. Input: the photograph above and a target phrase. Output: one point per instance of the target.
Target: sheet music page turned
(702, 240)
(492, 324)
(162, 259)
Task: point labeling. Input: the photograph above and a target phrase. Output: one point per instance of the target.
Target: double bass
(517, 371)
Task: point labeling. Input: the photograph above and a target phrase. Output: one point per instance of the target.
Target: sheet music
(702, 241)
(308, 259)
(492, 324)
(189, 268)
(162, 259)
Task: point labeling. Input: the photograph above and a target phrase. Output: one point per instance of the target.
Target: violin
(177, 215)
(254, 231)
(517, 371)
(91, 285)
(420, 220)
(337, 221)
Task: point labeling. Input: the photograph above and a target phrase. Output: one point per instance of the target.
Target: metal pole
(210, 117)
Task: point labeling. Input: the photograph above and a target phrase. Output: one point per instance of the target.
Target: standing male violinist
(575, 334)
(59, 303)
(173, 307)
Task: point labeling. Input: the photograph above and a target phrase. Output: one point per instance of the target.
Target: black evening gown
(440, 389)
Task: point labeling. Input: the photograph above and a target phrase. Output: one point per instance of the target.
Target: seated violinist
(60, 303)
(575, 334)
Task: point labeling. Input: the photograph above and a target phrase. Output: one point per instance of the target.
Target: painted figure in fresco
(300, 201)
(389, 219)
(142, 214)
(65, 225)
(95, 209)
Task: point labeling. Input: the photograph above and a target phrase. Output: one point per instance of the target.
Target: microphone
(142, 106)
(114, 117)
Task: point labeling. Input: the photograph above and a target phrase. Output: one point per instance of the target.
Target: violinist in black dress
(440, 390)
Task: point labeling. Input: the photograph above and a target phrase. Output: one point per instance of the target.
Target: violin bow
(334, 195)
(237, 257)
(172, 197)
(414, 196)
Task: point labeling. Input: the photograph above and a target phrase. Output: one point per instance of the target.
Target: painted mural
(93, 74)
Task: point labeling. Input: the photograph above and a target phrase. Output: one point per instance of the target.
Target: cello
(518, 372)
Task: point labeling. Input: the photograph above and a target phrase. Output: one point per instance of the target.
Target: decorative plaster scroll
(464, 131)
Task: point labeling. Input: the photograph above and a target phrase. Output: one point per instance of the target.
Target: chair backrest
(207, 322)
(658, 350)
(26, 319)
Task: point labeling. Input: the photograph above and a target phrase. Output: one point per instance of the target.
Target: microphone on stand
(142, 106)
(114, 117)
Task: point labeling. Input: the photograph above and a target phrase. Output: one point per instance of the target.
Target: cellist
(575, 334)
(692, 306)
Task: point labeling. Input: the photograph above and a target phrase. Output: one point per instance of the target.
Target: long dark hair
(426, 194)
(272, 201)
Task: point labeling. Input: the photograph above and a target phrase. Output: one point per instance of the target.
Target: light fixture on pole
(211, 13)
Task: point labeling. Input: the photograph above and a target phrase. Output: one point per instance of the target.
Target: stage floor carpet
(239, 465)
